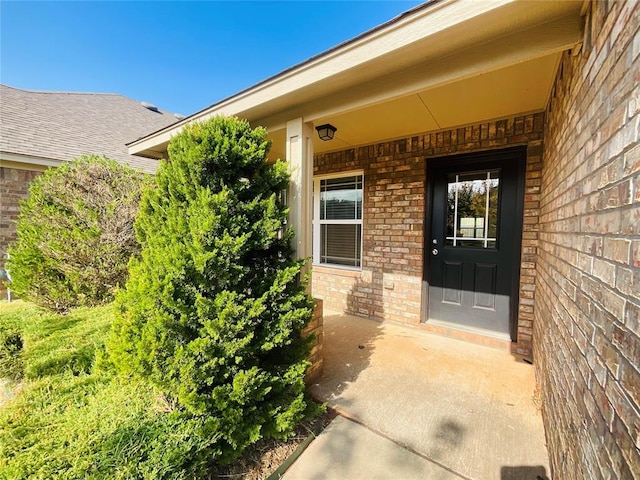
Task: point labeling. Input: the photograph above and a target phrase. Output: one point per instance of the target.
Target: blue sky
(181, 56)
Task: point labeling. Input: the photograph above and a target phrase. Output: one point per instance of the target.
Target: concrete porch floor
(464, 407)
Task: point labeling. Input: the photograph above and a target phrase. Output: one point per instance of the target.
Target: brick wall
(390, 283)
(14, 186)
(587, 318)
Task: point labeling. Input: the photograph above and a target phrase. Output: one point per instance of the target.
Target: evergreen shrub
(11, 343)
(75, 234)
(214, 305)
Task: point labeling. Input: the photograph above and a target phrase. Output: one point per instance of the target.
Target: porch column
(299, 154)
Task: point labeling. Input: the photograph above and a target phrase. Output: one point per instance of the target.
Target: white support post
(300, 196)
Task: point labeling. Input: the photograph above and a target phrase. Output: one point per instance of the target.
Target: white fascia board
(519, 47)
(424, 23)
(454, 19)
(23, 162)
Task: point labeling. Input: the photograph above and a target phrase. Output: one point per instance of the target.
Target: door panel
(474, 239)
(485, 286)
(451, 293)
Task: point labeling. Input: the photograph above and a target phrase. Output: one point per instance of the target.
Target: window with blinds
(338, 221)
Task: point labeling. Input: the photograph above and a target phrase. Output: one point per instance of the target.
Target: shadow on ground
(523, 473)
(347, 346)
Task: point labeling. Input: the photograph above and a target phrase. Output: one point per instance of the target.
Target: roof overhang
(27, 162)
(443, 64)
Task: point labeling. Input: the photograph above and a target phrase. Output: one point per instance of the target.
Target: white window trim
(317, 222)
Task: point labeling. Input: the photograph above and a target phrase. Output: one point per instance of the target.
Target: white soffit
(432, 47)
(514, 90)
(520, 88)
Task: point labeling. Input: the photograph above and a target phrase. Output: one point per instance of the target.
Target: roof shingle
(63, 125)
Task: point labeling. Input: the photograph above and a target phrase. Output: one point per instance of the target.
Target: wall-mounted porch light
(326, 131)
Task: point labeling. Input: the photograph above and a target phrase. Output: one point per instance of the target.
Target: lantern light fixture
(326, 131)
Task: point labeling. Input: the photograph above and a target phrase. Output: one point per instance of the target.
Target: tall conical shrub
(214, 305)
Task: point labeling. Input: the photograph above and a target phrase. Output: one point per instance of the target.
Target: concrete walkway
(461, 410)
(346, 450)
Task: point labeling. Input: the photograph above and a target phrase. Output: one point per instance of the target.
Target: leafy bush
(10, 353)
(75, 234)
(213, 308)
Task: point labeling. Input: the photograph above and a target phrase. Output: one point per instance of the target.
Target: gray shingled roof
(62, 125)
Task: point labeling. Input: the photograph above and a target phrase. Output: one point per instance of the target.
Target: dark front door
(473, 246)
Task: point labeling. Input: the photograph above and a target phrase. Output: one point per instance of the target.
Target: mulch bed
(265, 456)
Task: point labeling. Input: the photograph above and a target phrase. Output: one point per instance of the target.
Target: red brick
(14, 187)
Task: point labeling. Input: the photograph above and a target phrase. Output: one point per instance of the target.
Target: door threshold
(499, 341)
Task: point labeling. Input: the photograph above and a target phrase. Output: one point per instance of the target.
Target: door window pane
(472, 209)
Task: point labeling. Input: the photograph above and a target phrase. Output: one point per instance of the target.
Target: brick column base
(315, 357)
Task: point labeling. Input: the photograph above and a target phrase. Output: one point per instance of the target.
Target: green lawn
(76, 420)
(57, 344)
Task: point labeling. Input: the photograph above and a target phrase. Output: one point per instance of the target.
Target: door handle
(434, 251)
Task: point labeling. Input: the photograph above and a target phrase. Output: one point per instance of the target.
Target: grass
(74, 421)
(57, 344)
